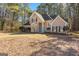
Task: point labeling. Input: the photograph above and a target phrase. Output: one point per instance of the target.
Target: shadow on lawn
(3, 54)
(56, 52)
(52, 48)
(19, 33)
(63, 36)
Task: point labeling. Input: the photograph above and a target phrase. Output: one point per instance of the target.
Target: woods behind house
(14, 15)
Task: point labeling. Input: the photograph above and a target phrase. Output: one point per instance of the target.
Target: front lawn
(38, 44)
(20, 44)
(33, 36)
(76, 34)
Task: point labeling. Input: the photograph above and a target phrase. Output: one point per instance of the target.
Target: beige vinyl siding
(35, 24)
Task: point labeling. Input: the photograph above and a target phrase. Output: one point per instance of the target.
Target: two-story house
(46, 23)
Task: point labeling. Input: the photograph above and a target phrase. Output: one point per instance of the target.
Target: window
(36, 19)
(5, 14)
(59, 28)
(32, 20)
(56, 28)
(52, 28)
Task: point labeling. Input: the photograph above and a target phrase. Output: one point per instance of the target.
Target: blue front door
(40, 27)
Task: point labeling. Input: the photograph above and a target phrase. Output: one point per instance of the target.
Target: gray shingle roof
(46, 17)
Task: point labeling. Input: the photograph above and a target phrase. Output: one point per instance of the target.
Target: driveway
(43, 44)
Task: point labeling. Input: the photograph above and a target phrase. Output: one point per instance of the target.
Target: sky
(34, 6)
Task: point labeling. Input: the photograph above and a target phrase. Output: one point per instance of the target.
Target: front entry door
(40, 27)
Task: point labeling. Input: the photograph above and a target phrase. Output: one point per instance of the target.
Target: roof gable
(37, 15)
(58, 21)
(42, 16)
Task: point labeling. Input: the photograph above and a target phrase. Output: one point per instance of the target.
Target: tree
(24, 12)
(13, 8)
(2, 12)
(73, 13)
(51, 9)
(69, 11)
(11, 13)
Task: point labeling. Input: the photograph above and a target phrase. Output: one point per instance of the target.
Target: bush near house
(66, 28)
(14, 28)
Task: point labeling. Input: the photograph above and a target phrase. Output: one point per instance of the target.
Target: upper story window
(36, 19)
(32, 20)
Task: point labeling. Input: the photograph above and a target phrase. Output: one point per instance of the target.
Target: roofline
(37, 15)
(61, 18)
(49, 16)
